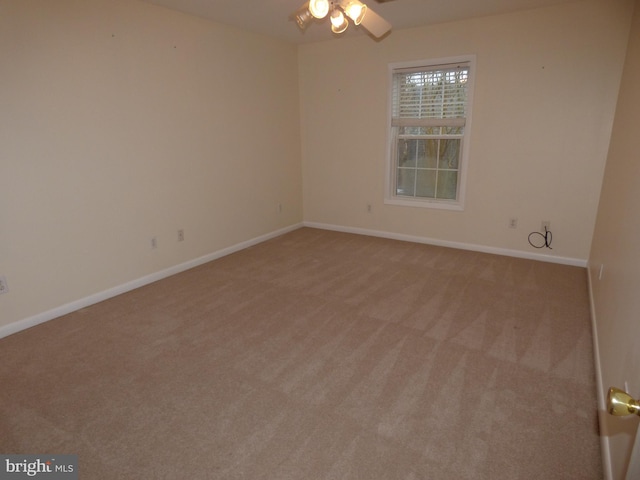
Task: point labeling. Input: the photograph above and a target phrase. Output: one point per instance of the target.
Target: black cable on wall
(541, 240)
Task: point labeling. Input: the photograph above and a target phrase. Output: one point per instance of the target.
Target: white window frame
(390, 190)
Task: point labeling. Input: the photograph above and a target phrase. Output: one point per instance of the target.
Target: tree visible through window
(428, 125)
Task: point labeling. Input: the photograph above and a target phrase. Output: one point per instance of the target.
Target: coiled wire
(543, 241)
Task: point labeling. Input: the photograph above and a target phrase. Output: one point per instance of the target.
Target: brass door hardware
(620, 403)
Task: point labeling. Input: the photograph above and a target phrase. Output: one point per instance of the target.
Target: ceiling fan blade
(375, 24)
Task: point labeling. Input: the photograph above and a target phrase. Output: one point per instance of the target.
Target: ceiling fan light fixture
(340, 13)
(338, 23)
(319, 8)
(355, 10)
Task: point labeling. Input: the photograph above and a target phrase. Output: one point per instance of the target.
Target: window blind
(430, 95)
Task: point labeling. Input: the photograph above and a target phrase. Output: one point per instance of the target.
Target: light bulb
(319, 8)
(338, 23)
(355, 10)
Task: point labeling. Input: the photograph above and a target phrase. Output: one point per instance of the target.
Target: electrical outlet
(546, 225)
(4, 288)
(181, 235)
(513, 222)
(154, 242)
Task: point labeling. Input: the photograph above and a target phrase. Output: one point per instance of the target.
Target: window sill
(425, 203)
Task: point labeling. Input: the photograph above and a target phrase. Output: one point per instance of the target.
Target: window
(429, 129)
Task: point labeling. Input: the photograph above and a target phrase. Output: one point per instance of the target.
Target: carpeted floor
(318, 355)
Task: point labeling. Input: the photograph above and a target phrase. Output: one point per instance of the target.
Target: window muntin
(429, 124)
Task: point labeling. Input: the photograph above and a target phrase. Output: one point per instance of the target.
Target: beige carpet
(318, 355)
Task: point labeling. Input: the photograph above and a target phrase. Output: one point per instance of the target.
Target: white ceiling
(273, 17)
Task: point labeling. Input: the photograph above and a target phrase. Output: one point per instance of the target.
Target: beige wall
(121, 121)
(616, 246)
(545, 92)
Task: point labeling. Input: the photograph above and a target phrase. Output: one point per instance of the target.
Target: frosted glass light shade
(355, 10)
(319, 8)
(303, 18)
(338, 23)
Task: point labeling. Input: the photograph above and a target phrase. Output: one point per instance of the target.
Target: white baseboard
(605, 448)
(575, 262)
(43, 317)
(140, 282)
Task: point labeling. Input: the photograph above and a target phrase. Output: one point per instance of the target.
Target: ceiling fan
(340, 11)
